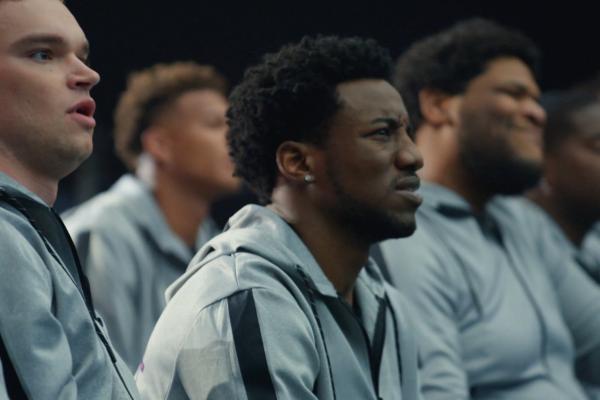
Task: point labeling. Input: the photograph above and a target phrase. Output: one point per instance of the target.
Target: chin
(403, 229)
(391, 228)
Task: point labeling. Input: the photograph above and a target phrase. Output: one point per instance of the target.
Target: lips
(83, 112)
(409, 183)
(407, 187)
(85, 107)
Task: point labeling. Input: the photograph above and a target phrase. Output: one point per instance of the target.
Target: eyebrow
(522, 88)
(391, 122)
(47, 39)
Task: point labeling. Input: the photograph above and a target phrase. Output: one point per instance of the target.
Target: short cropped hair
(561, 108)
(449, 60)
(149, 93)
(292, 95)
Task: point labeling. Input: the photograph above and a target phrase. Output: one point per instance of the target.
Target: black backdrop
(127, 35)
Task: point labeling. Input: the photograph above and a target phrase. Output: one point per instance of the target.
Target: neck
(573, 223)
(442, 165)
(46, 188)
(340, 254)
(184, 210)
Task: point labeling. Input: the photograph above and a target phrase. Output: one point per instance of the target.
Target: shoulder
(102, 212)
(26, 265)
(18, 239)
(218, 275)
(522, 211)
(424, 255)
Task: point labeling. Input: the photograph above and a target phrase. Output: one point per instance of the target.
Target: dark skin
(373, 153)
(570, 193)
(571, 221)
(504, 94)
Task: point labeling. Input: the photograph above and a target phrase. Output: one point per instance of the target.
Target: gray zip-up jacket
(130, 255)
(3, 393)
(504, 311)
(254, 317)
(48, 333)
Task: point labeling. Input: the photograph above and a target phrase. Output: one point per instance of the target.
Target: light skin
(192, 165)
(368, 163)
(497, 113)
(571, 194)
(46, 112)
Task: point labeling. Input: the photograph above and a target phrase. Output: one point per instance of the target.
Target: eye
(382, 133)
(41, 55)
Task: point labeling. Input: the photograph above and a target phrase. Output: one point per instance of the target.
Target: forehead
(507, 71)
(367, 99)
(23, 18)
(587, 120)
(200, 101)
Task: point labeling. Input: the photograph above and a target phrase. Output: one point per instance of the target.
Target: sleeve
(34, 338)
(578, 295)
(3, 392)
(408, 343)
(255, 344)
(109, 263)
(417, 271)
(579, 298)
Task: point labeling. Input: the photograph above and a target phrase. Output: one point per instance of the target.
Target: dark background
(127, 35)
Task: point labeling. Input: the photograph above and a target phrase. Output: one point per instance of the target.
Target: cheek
(577, 173)
(24, 83)
(367, 175)
(587, 166)
(527, 145)
(208, 149)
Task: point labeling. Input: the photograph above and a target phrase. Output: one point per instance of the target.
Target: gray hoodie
(47, 330)
(130, 255)
(254, 317)
(3, 393)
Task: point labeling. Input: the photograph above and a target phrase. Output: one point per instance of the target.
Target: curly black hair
(291, 95)
(449, 60)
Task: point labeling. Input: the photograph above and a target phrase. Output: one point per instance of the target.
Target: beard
(491, 161)
(369, 223)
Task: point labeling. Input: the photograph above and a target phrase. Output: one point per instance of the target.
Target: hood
(260, 231)
(14, 188)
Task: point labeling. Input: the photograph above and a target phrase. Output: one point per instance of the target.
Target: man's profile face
(196, 131)
(367, 170)
(572, 169)
(500, 127)
(46, 112)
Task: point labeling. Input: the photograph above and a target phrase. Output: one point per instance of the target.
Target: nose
(409, 156)
(82, 76)
(534, 112)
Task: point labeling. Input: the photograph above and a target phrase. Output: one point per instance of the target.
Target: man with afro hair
(286, 303)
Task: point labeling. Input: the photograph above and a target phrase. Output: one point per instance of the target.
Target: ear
(437, 107)
(295, 160)
(157, 143)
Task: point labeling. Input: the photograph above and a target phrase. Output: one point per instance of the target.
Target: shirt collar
(12, 186)
(144, 210)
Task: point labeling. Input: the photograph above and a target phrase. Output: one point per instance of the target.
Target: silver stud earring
(308, 178)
